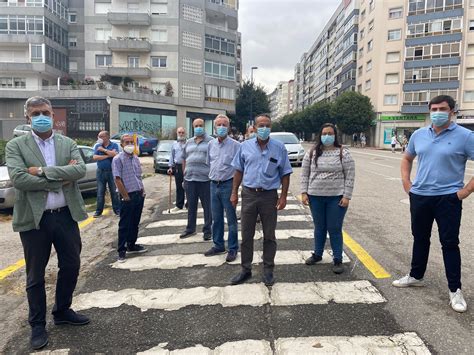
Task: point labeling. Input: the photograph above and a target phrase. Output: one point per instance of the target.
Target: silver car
(162, 155)
(293, 146)
(21, 130)
(87, 184)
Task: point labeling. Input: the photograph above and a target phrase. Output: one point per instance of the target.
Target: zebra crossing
(173, 300)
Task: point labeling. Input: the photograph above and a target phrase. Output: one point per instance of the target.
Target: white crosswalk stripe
(292, 207)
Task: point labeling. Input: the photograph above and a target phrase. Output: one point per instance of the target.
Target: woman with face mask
(327, 180)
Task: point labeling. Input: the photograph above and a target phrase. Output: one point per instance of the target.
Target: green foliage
(169, 89)
(2, 151)
(85, 141)
(353, 112)
(251, 101)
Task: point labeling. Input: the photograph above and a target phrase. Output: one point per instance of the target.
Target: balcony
(30, 68)
(129, 44)
(129, 18)
(218, 13)
(140, 72)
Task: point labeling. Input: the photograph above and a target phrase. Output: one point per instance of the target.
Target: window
(432, 74)
(370, 45)
(159, 9)
(102, 60)
(9, 82)
(368, 85)
(36, 53)
(220, 45)
(133, 62)
(390, 100)
(212, 91)
(359, 88)
(227, 93)
(371, 5)
(394, 35)
(359, 72)
(362, 34)
(417, 98)
(102, 8)
(469, 96)
(396, 12)
(392, 78)
(362, 16)
(72, 41)
(469, 73)
(368, 66)
(471, 3)
(158, 62)
(433, 51)
(133, 7)
(159, 35)
(393, 57)
(470, 48)
(72, 17)
(371, 25)
(471, 25)
(361, 52)
(102, 34)
(73, 66)
(219, 70)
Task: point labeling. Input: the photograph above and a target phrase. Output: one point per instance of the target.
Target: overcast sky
(276, 33)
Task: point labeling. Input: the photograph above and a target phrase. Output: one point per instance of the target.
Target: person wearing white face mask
(437, 193)
(127, 172)
(175, 165)
(327, 181)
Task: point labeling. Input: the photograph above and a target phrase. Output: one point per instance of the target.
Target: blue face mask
(327, 140)
(198, 131)
(221, 131)
(263, 133)
(439, 119)
(252, 135)
(41, 123)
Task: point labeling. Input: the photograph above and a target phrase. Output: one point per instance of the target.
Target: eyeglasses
(128, 142)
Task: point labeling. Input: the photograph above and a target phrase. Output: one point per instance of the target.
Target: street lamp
(251, 94)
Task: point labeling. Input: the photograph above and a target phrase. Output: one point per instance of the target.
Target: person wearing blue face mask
(327, 181)
(262, 166)
(222, 151)
(437, 192)
(196, 179)
(44, 168)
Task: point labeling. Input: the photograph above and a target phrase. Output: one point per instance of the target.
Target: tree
(169, 89)
(353, 112)
(249, 93)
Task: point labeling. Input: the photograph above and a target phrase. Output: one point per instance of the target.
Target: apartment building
(142, 65)
(328, 68)
(282, 99)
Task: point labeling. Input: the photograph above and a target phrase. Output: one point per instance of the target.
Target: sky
(276, 33)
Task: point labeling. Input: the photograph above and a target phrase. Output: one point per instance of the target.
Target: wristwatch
(40, 171)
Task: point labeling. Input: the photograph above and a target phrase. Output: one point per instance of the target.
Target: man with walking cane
(176, 168)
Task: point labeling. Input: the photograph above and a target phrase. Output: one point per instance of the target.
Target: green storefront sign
(403, 118)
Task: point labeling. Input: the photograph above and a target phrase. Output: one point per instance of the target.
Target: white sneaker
(407, 281)
(176, 210)
(457, 301)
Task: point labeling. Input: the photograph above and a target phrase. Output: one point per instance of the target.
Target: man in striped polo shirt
(196, 179)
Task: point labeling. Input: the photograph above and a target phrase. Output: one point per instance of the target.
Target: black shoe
(241, 278)
(213, 251)
(313, 259)
(338, 268)
(70, 317)
(97, 215)
(136, 249)
(207, 236)
(186, 234)
(231, 256)
(268, 278)
(39, 337)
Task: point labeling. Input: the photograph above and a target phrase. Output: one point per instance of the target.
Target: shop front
(399, 125)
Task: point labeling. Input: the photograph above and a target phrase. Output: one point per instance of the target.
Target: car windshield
(286, 138)
(165, 147)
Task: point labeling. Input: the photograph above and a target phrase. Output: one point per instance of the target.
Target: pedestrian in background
(251, 132)
(363, 140)
(176, 167)
(221, 153)
(437, 193)
(404, 143)
(327, 181)
(393, 143)
(104, 152)
(44, 168)
(354, 140)
(262, 165)
(196, 180)
(127, 172)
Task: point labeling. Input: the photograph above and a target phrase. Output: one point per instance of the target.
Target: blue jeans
(105, 177)
(195, 191)
(328, 217)
(220, 202)
(130, 215)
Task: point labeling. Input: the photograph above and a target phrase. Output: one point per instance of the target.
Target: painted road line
(182, 222)
(291, 207)
(373, 266)
(255, 295)
(169, 262)
(20, 263)
(402, 343)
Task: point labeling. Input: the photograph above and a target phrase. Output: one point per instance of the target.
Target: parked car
(146, 143)
(161, 156)
(21, 130)
(87, 184)
(293, 146)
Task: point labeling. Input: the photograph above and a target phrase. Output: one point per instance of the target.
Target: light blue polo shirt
(262, 168)
(441, 159)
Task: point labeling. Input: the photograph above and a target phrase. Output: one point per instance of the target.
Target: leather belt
(221, 182)
(57, 210)
(258, 189)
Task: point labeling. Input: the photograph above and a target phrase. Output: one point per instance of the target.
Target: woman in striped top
(327, 180)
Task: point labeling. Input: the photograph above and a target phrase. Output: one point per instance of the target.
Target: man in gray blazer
(44, 168)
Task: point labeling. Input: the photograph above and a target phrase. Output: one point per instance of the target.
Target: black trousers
(130, 215)
(60, 230)
(178, 178)
(256, 203)
(195, 191)
(446, 210)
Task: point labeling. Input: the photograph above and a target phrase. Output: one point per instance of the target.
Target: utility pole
(251, 95)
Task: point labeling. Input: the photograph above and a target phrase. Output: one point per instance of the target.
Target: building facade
(282, 99)
(147, 65)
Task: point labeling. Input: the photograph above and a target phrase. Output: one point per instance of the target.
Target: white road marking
(406, 201)
(385, 166)
(281, 294)
(292, 207)
(200, 221)
(168, 262)
(402, 343)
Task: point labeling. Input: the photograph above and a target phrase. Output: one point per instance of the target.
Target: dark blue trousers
(196, 190)
(130, 215)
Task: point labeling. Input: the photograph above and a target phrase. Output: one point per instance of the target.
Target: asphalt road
(167, 299)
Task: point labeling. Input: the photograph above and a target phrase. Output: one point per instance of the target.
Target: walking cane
(169, 196)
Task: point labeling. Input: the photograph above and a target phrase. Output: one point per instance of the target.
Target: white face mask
(129, 149)
(100, 141)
